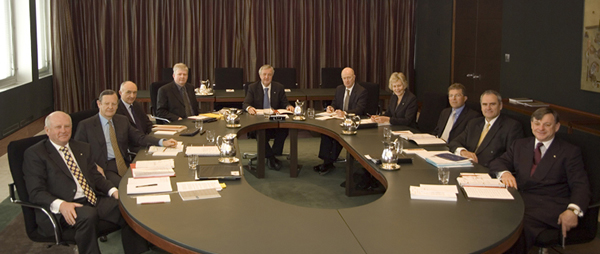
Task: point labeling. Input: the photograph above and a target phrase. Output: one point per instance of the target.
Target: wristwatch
(575, 211)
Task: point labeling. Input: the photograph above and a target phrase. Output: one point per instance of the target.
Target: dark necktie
(266, 102)
(186, 102)
(87, 191)
(136, 120)
(537, 156)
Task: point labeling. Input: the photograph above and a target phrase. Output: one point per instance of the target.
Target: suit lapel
(474, 138)
(491, 133)
(125, 111)
(176, 93)
(98, 133)
(547, 161)
(460, 118)
(526, 160)
(57, 158)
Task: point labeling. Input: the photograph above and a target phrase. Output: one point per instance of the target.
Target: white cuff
(55, 206)
(111, 191)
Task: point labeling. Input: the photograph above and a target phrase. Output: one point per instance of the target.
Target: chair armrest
(597, 204)
(162, 119)
(55, 225)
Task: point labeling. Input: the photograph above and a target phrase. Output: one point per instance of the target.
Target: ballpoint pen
(147, 185)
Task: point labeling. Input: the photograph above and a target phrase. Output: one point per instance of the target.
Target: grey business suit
(170, 104)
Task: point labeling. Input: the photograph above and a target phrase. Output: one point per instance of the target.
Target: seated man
(132, 109)
(453, 120)
(486, 138)
(349, 98)
(110, 136)
(269, 95)
(177, 100)
(61, 176)
(550, 176)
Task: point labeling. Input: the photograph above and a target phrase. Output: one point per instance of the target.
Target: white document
(418, 192)
(400, 133)
(199, 117)
(199, 185)
(155, 164)
(261, 112)
(202, 150)
(199, 194)
(439, 187)
(177, 148)
(148, 185)
(166, 154)
(153, 199)
(368, 121)
(151, 172)
(170, 133)
(488, 193)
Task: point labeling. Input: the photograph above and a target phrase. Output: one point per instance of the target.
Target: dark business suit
(142, 122)
(559, 179)
(170, 104)
(48, 178)
(499, 137)
(330, 149)
(459, 124)
(90, 131)
(278, 100)
(404, 113)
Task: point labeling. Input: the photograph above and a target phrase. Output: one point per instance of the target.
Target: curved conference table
(244, 220)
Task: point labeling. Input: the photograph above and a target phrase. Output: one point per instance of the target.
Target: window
(7, 65)
(43, 36)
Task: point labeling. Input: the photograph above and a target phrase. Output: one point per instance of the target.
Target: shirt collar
(546, 143)
(352, 87)
(58, 147)
(457, 111)
(491, 122)
(127, 105)
(103, 120)
(263, 85)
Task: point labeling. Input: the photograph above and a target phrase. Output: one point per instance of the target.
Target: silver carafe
(350, 124)
(299, 111)
(226, 145)
(389, 156)
(232, 118)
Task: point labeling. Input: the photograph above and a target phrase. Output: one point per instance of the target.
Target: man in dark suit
(453, 120)
(266, 94)
(61, 176)
(111, 157)
(177, 100)
(349, 98)
(486, 138)
(132, 109)
(550, 176)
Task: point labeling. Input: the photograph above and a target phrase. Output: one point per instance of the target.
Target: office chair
(16, 150)
(331, 77)
(228, 78)
(153, 100)
(287, 77)
(432, 106)
(373, 107)
(80, 116)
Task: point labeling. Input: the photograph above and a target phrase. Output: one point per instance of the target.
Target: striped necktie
(87, 191)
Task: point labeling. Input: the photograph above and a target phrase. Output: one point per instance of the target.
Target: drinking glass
(210, 136)
(310, 112)
(193, 161)
(387, 133)
(444, 175)
(199, 125)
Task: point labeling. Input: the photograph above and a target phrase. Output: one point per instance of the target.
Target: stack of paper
(166, 151)
(369, 121)
(202, 150)
(164, 128)
(200, 117)
(148, 185)
(326, 116)
(261, 112)
(488, 193)
(442, 160)
(423, 139)
(434, 192)
(194, 190)
(478, 180)
(153, 168)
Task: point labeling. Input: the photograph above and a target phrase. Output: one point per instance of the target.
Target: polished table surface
(245, 221)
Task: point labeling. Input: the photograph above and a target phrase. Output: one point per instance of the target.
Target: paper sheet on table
(148, 185)
(166, 163)
(198, 185)
(368, 121)
(153, 199)
(199, 194)
(488, 193)
(202, 150)
(171, 133)
(261, 112)
(178, 148)
(439, 187)
(418, 192)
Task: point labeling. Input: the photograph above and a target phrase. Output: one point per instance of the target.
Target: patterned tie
(87, 191)
(483, 133)
(537, 156)
(346, 100)
(115, 145)
(448, 127)
(186, 102)
(266, 101)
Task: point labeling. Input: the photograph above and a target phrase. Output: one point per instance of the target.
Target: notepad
(153, 199)
(488, 193)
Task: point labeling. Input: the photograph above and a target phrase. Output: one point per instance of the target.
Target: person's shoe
(323, 169)
(274, 163)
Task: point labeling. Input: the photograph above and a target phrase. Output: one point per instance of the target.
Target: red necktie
(537, 156)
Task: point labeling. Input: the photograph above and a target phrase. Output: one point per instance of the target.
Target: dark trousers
(329, 149)
(86, 230)
(278, 136)
(112, 173)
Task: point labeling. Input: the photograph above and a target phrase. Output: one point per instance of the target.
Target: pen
(147, 185)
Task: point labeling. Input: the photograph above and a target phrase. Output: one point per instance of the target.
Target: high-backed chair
(80, 116)
(16, 150)
(331, 77)
(153, 100)
(432, 106)
(229, 78)
(287, 77)
(372, 98)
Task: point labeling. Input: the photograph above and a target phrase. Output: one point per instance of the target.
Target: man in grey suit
(177, 100)
(273, 98)
(61, 176)
(132, 109)
(349, 98)
(110, 135)
(453, 120)
(486, 138)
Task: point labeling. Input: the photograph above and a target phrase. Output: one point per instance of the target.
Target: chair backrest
(154, 94)
(287, 77)
(432, 106)
(229, 78)
(331, 77)
(16, 150)
(166, 74)
(81, 115)
(372, 98)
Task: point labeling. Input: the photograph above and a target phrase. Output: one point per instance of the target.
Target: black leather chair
(432, 106)
(373, 107)
(16, 150)
(153, 100)
(229, 78)
(331, 77)
(80, 116)
(287, 77)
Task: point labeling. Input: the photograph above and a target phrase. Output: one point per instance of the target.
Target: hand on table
(470, 155)
(169, 143)
(251, 110)
(509, 180)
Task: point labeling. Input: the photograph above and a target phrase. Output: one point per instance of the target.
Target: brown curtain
(99, 44)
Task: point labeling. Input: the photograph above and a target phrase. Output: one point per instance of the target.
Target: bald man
(132, 109)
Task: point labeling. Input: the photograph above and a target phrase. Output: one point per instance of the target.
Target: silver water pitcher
(226, 145)
(350, 124)
(389, 156)
(232, 118)
(299, 111)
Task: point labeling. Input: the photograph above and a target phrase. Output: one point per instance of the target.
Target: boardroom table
(244, 220)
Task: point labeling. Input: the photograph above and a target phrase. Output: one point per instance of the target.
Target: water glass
(310, 112)
(387, 133)
(210, 136)
(444, 175)
(199, 125)
(192, 161)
